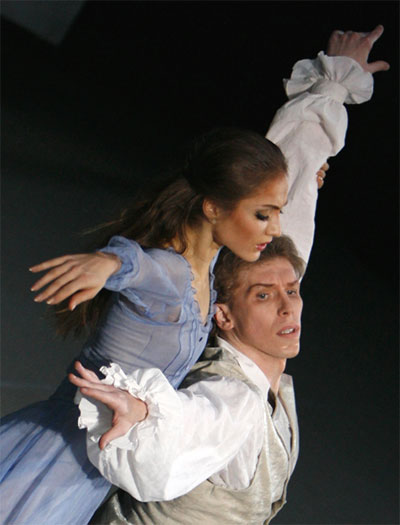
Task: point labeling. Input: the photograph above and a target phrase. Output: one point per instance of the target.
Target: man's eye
(262, 295)
(262, 217)
(292, 292)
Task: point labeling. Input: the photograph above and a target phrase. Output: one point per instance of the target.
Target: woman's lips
(261, 247)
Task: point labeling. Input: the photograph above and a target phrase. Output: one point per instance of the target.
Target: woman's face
(254, 222)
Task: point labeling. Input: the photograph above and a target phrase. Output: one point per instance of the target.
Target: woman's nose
(274, 227)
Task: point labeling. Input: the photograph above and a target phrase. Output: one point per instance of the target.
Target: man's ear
(223, 317)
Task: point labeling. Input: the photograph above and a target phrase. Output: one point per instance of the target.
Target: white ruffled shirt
(214, 428)
(310, 128)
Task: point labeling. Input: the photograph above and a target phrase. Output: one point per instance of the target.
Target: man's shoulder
(287, 380)
(215, 361)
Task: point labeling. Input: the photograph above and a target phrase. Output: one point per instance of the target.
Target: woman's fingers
(78, 287)
(79, 277)
(53, 274)
(58, 280)
(81, 297)
(60, 294)
(78, 284)
(50, 263)
(63, 270)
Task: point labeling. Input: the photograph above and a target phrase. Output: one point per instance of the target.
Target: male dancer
(232, 451)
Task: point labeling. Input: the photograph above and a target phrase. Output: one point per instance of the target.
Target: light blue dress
(153, 321)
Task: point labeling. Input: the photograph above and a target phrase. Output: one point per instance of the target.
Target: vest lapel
(286, 394)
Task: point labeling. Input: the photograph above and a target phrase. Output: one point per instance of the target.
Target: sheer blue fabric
(153, 321)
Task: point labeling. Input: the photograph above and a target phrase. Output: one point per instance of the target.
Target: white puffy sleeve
(188, 435)
(310, 128)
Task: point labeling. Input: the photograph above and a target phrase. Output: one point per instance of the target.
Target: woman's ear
(223, 317)
(211, 210)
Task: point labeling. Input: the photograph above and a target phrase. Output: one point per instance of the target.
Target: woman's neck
(200, 251)
(201, 248)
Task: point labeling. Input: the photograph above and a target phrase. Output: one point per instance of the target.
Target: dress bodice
(153, 319)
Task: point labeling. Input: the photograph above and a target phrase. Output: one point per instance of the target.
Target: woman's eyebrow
(272, 206)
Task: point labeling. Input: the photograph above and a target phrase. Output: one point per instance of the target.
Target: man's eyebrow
(268, 285)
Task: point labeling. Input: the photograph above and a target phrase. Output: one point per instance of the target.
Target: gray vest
(209, 504)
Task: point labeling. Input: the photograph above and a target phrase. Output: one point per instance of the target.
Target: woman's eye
(262, 295)
(292, 292)
(262, 217)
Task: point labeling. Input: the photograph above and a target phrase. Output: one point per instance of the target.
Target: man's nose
(284, 308)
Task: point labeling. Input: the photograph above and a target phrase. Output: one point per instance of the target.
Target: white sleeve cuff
(342, 78)
(149, 385)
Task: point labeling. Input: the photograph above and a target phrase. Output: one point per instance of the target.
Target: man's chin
(292, 351)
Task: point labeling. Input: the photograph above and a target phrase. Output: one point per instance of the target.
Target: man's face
(266, 310)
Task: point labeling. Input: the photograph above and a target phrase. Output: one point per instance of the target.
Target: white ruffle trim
(340, 77)
(149, 385)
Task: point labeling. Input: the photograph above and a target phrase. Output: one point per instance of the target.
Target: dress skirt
(46, 477)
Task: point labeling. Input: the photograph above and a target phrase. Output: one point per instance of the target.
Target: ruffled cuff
(124, 249)
(149, 385)
(341, 78)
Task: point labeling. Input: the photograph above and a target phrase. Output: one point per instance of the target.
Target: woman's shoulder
(121, 244)
(167, 257)
(172, 267)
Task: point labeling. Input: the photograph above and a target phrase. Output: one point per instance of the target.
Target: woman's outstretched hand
(79, 277)
(357, 46)
(127, 409)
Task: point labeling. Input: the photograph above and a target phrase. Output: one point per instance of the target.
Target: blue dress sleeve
(142, 277)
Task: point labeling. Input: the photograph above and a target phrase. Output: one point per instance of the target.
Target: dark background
(88, 119)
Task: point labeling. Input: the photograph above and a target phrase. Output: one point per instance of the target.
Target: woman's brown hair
(224, 166)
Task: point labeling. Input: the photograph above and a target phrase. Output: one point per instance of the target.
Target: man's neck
(272, 367)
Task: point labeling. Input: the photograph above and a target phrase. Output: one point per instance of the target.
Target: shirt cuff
(149, 385)
(339, 77)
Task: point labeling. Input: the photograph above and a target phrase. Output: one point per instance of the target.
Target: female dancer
(230, 193)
